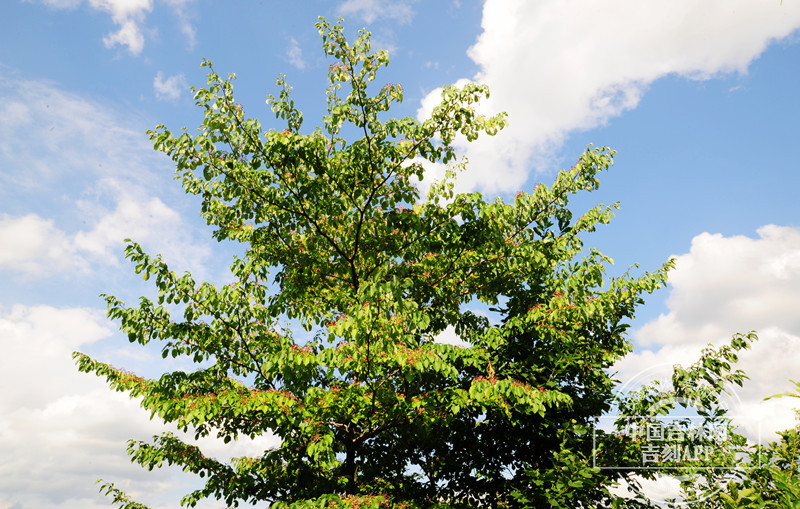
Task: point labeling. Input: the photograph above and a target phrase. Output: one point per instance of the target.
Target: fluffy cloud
(725, 285)
(147, 220)
(46, 402)
(729, 284)
(560, 66)
(128, 14)
(87, 181)
(169, 88)
(449, 337)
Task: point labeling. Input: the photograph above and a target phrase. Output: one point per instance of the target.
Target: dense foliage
(370, 409)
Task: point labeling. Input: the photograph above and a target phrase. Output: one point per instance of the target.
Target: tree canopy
(370, 409)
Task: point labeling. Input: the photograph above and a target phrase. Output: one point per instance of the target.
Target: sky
(699, 99)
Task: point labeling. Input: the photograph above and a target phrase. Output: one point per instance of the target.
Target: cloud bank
(722, 286)
(100, 168)
(60, 430)
(88, 180)
(560, 66)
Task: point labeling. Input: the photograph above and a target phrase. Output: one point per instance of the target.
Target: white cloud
(54, 421)
(84, 180)
(557, 66)
(60, 430)
(76, 138)
(32, 245)
(129, 34)
(371, 10)
(123, 9)
(128, 14)
(85, 160)
(295, 54)
(449, 337)
(170, 88)
(722, 286)
(729, 284)
(145, 219)
(77, 177)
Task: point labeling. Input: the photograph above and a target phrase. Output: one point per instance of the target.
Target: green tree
(372, 410)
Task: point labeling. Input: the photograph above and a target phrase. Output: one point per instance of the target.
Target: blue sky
(698, 98)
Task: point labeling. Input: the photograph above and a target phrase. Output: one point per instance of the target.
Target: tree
(765, 476)
(372, 410)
